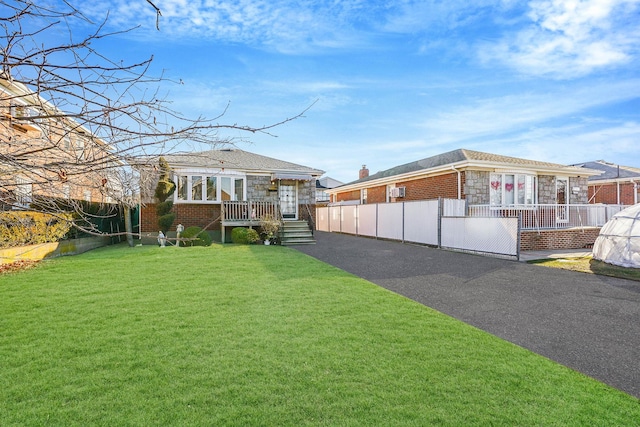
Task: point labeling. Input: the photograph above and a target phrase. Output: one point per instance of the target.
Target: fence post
(403, 221)
(440, 222)
(357, 217)
(518, 236)
(377, 205)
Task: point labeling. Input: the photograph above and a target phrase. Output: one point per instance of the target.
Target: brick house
(549, 197)
(45, 154)
(480, 178)
(221, 189)
(616, 185)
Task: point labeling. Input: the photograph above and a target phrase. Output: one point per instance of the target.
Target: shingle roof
(461, 155)
(610, 170)
(237, 159)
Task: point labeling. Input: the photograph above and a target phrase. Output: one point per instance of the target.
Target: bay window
(208, 188)
(507, 189)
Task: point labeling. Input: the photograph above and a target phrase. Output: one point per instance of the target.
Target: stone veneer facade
(476, 187)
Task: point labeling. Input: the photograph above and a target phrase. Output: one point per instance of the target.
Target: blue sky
(397, 81)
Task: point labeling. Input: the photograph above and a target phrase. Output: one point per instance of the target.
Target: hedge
(30, 228)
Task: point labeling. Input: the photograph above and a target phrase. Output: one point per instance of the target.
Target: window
(203, 188)
(196, 187)
(181, 191)
(231, 188)
(23, 111)
(239, 189)
(80, 149)
(66, 142)
(363, 196)
(512, 189)
(212, 188)
(24, 190)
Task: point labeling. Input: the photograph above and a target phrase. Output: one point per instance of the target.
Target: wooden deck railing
(251, 211)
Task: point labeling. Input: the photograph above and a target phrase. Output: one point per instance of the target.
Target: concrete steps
(296, 233)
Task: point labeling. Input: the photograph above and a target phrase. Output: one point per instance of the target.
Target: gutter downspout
(618, 186)
(459, 182)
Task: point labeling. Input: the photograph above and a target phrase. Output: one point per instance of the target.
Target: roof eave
(464, 165)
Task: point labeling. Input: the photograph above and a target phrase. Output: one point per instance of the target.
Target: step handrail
(310, 221)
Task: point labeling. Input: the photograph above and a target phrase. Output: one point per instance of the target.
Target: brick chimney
(364, 172)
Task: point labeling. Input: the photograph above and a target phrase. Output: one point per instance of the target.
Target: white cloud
(570, 38)
(500, 115)
(573, 143)
(281, 25)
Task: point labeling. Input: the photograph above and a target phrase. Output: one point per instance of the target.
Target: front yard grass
(590, 265)
(261, 335)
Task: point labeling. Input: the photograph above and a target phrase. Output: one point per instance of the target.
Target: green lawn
(261, 336)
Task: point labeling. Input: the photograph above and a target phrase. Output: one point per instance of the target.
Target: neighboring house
(550, 199)
(44, 154)
(619, 185)
(221, 189)
(322, 185)
(480, 178)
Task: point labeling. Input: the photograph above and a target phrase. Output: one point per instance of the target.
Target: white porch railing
(248, 210)
(536, 217)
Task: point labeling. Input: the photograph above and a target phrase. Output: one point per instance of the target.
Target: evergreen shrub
(245, 236)
(202, 238)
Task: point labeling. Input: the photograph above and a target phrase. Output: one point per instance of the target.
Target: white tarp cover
(619, 240)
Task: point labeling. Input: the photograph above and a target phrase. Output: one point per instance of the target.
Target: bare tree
(72, 121)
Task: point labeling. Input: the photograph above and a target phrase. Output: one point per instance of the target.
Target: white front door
(289, 199)
(562, 199)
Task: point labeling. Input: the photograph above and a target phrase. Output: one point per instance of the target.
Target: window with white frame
(363, 196)
(181, 187)
(212, 188)
(80, 149)
(24, 191)
(66, 142)
(203, 188)
(508, 189)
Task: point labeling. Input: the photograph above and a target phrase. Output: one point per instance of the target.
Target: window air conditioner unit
(397, 192)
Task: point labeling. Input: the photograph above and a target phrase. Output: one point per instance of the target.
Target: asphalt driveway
(586, 322)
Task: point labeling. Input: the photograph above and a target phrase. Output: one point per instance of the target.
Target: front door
(562, 198)
(289, 199)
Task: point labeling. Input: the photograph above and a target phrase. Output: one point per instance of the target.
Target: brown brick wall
(186, 214)
(429, 188)
(608, 193)
(558, 239)
(377, 194)
(432, 187)
(346, 196)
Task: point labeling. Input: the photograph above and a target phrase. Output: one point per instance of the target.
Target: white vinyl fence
(439, 223)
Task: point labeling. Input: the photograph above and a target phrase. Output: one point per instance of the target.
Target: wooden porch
(246, 213)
